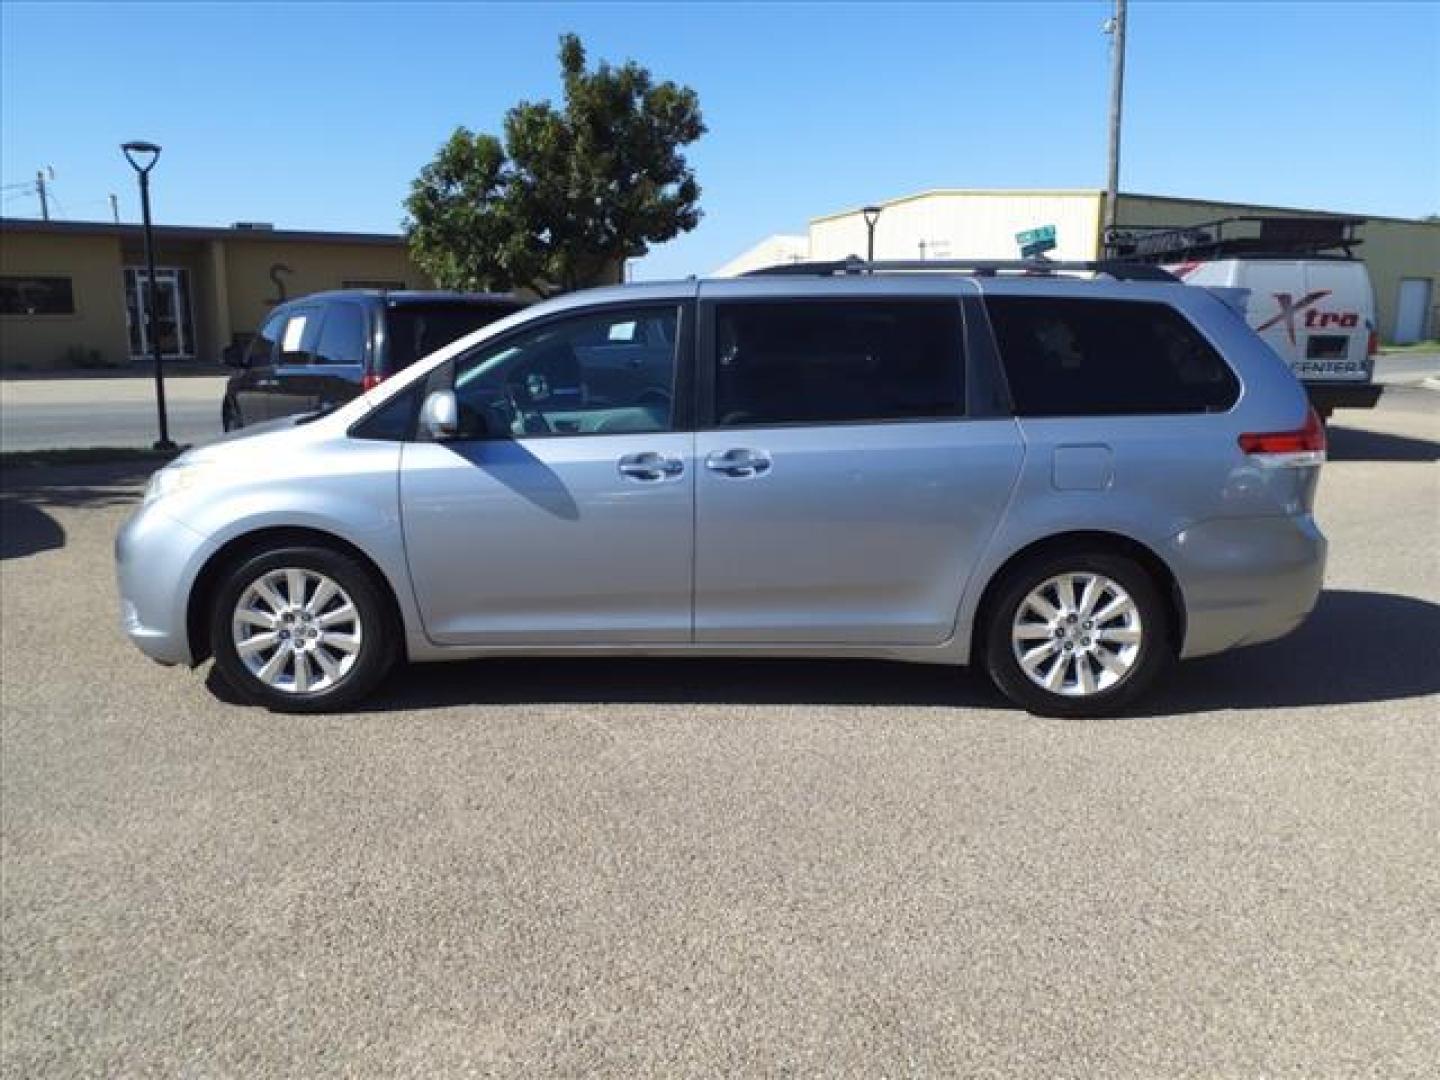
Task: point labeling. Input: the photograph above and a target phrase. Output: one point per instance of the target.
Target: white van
(1318, 313)
(1307, 295)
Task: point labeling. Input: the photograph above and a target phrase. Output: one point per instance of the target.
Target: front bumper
(1246, 580)
(157, 560)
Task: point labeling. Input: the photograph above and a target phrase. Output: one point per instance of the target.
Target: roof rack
(1241, 236)
(1120, 271)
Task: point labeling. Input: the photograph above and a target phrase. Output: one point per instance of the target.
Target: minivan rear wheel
(1078, 634)
(301, 629)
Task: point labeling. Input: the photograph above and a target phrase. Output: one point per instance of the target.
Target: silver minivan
(1067, 477)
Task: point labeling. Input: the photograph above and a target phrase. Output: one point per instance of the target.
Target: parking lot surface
(665, 868)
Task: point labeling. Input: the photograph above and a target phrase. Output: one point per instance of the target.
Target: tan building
(1403, 255)
(72, 293)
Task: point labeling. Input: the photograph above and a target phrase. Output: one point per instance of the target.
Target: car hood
(276, 435)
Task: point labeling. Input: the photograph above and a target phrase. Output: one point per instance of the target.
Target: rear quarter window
(1078, 357)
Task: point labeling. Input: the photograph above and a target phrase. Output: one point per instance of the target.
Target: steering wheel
(532, 420)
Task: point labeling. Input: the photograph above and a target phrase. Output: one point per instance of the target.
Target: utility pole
(40, 190)
(1115, 27)
(115, 209)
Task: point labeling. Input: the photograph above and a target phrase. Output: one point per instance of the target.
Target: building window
(25, 295)
(363, 283)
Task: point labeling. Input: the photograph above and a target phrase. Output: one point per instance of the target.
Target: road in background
(668, 868)
(47, 414)
(37, 414)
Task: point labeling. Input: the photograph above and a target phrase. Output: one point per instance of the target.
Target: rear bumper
(1246, 580)
(156, 561)
(1325, 396)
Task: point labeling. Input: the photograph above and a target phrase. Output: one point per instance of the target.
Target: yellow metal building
(1403, 256)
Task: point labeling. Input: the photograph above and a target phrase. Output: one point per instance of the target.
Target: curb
(85, 455)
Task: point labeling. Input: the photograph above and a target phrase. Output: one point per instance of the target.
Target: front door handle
(741, 462)
(650, 466)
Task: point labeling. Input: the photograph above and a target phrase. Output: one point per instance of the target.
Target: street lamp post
(871, 215)
(135, 153)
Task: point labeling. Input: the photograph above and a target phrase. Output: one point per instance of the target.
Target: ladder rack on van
(1120, 271)
(1245, 236)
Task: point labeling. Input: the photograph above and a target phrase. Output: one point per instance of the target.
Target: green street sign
(1036, 241)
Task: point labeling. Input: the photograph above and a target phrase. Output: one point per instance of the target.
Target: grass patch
(1427, 346)
(86, 455)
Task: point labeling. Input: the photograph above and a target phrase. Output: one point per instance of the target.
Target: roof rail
(1120, 271)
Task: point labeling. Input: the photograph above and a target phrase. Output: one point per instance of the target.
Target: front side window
(261, 350)
(1068, 357)
(605, 373)
(343, 336)
(23, 294)
(837, 361)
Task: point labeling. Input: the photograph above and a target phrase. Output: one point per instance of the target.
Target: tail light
(1303, 446)
(370, 380)
(1373, 345)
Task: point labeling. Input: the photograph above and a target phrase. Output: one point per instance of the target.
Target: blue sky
(319, 116)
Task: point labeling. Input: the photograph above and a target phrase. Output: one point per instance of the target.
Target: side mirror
(233, 355)
(440, 415)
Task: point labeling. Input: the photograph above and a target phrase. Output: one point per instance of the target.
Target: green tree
(572, 192)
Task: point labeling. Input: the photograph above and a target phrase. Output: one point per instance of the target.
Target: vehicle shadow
(27, 530)
(28, 493)
(1356, 647)
(1356, 444)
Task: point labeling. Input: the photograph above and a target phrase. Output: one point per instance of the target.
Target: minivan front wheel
(301, 629)
(1077, 635)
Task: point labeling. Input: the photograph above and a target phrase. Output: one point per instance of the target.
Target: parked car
(1066, 480)
(322, 350)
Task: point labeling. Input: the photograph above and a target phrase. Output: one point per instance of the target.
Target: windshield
(416, 330)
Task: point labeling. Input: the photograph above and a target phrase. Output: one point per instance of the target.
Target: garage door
(1410, 310)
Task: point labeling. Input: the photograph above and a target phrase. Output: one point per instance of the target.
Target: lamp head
(870, 213)
(137, 151)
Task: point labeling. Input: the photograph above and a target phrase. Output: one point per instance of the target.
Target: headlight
(176, 478)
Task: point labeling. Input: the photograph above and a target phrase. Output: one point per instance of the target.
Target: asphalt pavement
(46, 414)
(674, 868)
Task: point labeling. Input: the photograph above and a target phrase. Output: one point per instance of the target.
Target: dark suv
(322, 350)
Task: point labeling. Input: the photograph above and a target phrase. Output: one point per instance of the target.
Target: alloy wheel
(296, 630)
(1077, 634)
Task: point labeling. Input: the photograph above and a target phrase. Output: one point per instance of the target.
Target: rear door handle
(650, 466)
(739, 462)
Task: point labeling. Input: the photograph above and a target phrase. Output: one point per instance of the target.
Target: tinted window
(395, 420)
(588, 374)
(261, 351)
(1106, 357)
(414, 330)
(834, 361)
(298, 337)
(26, 295)
(343, 336)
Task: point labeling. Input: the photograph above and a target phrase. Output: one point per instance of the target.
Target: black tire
(230, 418)
(379, 637)
(1156, 647)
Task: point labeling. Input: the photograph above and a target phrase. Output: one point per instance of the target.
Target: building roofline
(930, 193)
(1277, 209)
(128, 230)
